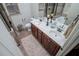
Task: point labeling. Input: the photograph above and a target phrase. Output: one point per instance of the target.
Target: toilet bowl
(28, 26)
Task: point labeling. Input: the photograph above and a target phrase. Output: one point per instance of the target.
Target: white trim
(70, 40)
(72, 45)
(8, 42)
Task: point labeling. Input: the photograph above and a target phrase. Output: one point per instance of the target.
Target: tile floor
(32, 47)
(29, 45)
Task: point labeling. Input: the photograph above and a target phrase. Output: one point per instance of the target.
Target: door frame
(4, 17)
(9, 19)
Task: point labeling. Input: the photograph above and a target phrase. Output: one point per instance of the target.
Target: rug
(32, 47)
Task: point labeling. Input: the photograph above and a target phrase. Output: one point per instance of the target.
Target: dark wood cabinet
(40, 35)
(45, 41)
(32, 29)
(51, 46)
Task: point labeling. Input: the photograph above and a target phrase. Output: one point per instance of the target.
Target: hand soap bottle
(47, 20)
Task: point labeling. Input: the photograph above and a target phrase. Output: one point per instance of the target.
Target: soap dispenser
(47, 20)
(51, 16)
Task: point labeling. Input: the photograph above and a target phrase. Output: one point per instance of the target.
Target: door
(5, 18)
(8, 41)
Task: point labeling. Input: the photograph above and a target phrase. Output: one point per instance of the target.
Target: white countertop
(58, 37)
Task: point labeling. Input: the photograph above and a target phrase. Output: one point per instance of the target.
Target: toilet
(28, 26)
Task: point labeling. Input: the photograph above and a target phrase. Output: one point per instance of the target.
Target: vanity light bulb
(48, 16)
(52, 14)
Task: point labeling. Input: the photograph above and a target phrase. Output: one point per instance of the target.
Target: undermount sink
(54, 33)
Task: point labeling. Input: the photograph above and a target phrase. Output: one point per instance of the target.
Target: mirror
(68, 10)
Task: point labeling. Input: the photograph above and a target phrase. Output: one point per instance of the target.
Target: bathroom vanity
(50, 38)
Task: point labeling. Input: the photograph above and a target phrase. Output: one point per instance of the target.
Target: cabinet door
(39, 35)
(45, 41)
(53, 48)
(34, 30)
(57, 47)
